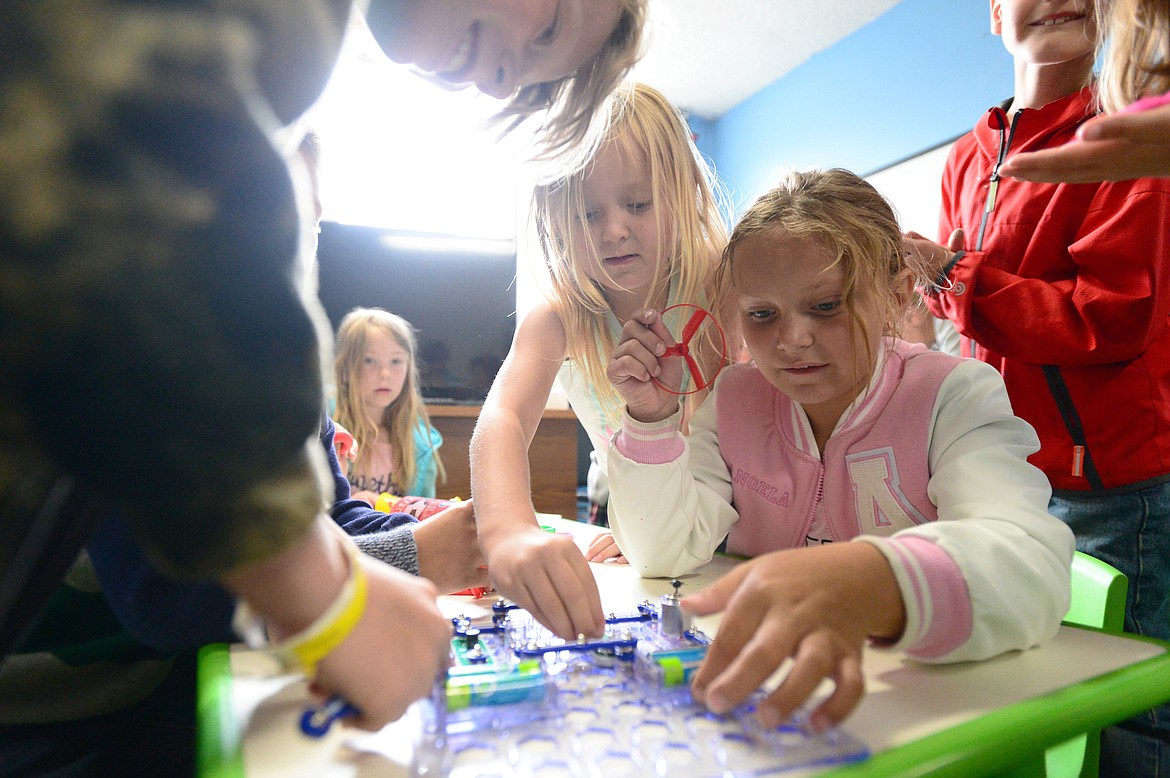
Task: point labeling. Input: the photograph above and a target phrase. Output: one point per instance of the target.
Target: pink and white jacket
(929, 465)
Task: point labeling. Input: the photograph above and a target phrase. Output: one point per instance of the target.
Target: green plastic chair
(1098, 601)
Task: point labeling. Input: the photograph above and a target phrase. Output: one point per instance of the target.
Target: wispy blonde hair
(846, 216)
(1134, 36)
(690, 227)
(402, 416)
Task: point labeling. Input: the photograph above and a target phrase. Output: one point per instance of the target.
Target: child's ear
(996, 18)
(902, 299)
(902, 288)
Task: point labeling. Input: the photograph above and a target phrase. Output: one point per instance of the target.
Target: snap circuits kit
(518, 701)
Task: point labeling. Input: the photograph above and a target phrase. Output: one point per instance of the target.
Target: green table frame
(973, 748)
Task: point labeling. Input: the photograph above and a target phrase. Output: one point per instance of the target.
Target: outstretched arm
(544, 573)
(1111, 147)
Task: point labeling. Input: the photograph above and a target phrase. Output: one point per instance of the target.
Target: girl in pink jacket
(835, 431)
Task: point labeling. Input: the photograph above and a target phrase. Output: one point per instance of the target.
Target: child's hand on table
(546, 574)
(817, 606)
(604, 548)
(448, 549)
(395, 652)
(635, 364)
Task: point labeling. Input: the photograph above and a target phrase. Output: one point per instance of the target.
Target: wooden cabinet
(552, 457)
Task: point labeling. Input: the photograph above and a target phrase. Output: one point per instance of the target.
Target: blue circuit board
(519, 701)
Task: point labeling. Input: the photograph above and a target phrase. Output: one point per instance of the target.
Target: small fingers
(588, 618)
(647, 329)
(850, 688)
(605, 549)
(658, 327)
(1142, 126)
(956, 239)
(920, 248)
(759, 658)
(539, 597)
(636, 363)
(564, 593)
(747, 649)
(602, 547)
(813, 661)
(732, 634)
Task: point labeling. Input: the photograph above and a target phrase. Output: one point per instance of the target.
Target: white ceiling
(709, 55)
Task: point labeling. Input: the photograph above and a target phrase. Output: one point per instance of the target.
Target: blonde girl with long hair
(379, 402)
(638, 226)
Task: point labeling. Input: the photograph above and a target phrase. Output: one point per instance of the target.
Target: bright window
(402, 153)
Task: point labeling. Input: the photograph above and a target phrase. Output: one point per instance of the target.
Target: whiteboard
(912, 187)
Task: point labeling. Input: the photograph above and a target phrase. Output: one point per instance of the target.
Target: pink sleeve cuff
(653, 443)
(938, 603)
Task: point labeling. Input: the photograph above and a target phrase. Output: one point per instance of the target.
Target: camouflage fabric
(152, 325)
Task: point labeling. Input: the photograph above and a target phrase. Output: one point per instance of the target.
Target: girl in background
(379, 403)
(637, 226)
(836, 431)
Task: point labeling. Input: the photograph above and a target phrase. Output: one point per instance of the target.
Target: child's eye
(591, 216)
(550, 33)
(827, 307)
(638, 207)
(759, 315)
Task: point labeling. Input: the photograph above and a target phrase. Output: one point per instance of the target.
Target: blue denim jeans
(1132, 533)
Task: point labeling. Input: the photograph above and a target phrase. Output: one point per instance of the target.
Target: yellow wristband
(305, 649)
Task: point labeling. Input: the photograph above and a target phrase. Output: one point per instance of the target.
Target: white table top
(905, 700)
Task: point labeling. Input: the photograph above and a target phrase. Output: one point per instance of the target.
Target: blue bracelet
(315, 722)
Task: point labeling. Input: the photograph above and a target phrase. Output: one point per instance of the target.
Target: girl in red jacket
(1066, 290)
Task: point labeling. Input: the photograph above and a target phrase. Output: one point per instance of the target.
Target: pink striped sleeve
(938, 595)
(653, 443)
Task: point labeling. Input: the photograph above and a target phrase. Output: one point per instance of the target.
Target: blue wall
(914, 78)
(704, 133)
